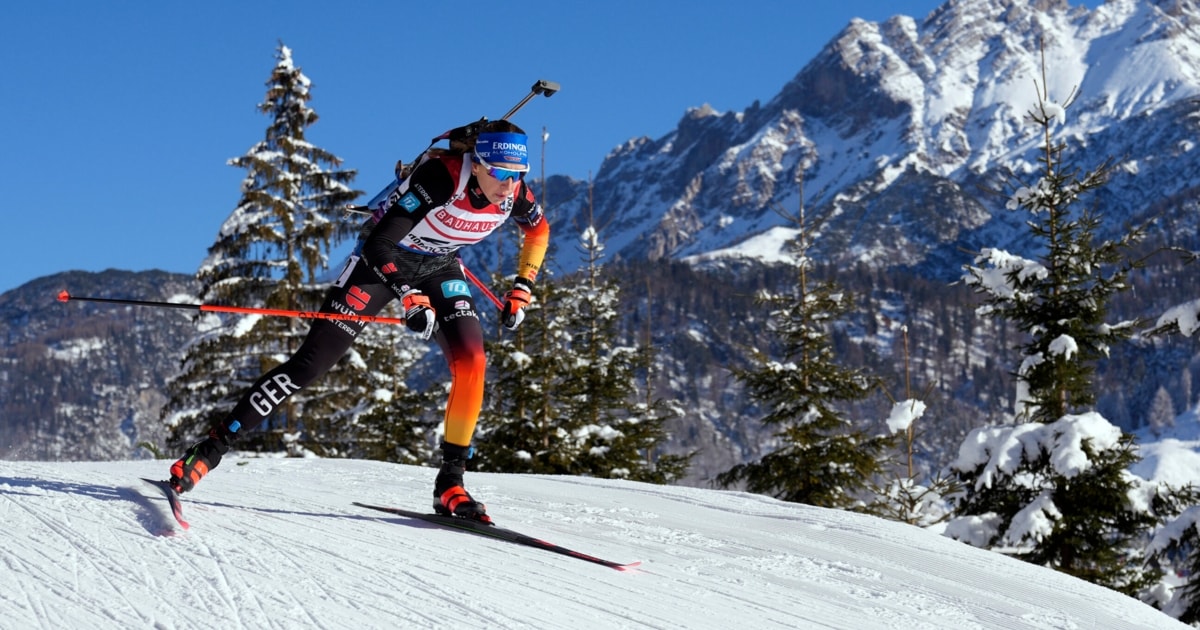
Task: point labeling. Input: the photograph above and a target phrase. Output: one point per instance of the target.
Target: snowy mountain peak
(934, 107)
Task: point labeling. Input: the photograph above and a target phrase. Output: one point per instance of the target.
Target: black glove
(515, 301)
(418, 314)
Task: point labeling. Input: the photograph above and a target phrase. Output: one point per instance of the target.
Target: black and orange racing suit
(419, 225)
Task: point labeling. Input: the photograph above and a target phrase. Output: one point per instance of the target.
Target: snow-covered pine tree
(1161, 415)
(822, 459)
(1061, 300)
(518, 431)
(908, 494)
(565, 397)
(268, 253)
(660, 412)
(614, 431)
(1176, 547)
(391, 421)
(1056, 491)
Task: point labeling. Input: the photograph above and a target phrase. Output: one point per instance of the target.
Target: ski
(172, 498)
(491, 531)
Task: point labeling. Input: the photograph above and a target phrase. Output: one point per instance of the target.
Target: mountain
(80, 380)
(275, 543)
(900, 129)
(903, 141)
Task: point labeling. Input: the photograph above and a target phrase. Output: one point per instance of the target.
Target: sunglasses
(501, 174)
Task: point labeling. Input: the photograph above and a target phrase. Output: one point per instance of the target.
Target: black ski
(491, 531)
(172, 498)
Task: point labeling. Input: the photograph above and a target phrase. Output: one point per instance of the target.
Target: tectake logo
(452, 288)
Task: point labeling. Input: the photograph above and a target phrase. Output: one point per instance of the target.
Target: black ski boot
(450, 498)
(202, 457)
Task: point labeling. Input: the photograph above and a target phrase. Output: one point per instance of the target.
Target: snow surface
(1174, 456)
(275, 543)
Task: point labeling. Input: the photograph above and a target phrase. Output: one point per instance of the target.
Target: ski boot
(450, 498)
(202, 457)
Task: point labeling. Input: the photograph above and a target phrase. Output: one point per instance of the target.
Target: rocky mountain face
(902, 141)
(84, 381)
(904, 137)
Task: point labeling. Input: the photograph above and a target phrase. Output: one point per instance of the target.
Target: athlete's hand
(418, 314)
(512, 313)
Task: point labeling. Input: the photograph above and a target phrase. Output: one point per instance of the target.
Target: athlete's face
(496, 190)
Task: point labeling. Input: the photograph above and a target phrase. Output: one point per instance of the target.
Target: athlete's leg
(357, 292)
(460, 336)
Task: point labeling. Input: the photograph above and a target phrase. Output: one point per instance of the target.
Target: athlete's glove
(418, 314)
(515, 301)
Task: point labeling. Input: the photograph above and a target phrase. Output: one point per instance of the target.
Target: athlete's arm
(536, 230)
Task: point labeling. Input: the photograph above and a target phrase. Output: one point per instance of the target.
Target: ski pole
(64, 296)
(482, 287)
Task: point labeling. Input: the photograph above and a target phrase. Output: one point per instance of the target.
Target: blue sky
(117, 118)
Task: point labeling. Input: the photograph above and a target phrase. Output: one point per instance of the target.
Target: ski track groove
(286, 553)
(210, 591)
(89, 554)
(226, 590)
(285, 547)
(577, 603)
(36, 605)
(86, 553)
(730, 576)
(447, 588)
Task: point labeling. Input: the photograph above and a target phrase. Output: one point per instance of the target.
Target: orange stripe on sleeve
(533, 248)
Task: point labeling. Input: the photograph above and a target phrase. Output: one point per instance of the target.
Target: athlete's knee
(470, 364)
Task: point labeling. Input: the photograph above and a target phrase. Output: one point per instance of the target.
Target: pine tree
(1060, 301)
(613, 430)
(268, 253)
(908, 495)
(565, 396)
(1060, 495)
(1176, 547)
(1162, 412)
(517, 429)
(1076, 516)
(392, 421)
(659, 412)
(822, 458)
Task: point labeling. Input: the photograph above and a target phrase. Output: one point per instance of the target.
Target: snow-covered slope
(275, 543)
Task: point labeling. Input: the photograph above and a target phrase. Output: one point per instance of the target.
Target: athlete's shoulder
(525, 208)
(437, 161)
(524, 198)
(436, 178)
